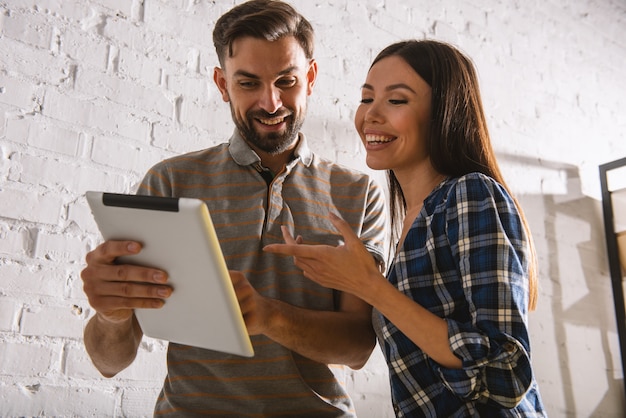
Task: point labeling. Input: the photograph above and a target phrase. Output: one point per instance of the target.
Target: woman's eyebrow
(390, 87)
(400, 86)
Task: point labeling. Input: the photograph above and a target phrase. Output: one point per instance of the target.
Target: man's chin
(274, 148)
(271, 134)
(278, 139)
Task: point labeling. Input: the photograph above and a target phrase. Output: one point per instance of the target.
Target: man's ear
(220, 81)
(311, 75)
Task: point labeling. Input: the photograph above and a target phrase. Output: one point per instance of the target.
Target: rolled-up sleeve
(487, 238)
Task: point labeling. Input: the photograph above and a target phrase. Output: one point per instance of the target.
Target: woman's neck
(417, 184)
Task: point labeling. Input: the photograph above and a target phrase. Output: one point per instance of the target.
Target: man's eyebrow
(390, 87)
(289, 70)
(243, 73)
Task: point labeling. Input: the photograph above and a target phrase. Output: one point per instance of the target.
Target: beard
(273, 142)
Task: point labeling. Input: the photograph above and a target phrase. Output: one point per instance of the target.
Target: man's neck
(276, 162)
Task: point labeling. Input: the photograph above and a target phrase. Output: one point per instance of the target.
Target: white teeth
(273, 121)
(378, 138)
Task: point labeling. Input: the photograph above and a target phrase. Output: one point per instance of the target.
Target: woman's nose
(372, 113)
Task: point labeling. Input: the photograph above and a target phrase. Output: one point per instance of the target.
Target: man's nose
(270, 100)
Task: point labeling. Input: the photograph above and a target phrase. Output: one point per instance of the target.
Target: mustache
(262, 114)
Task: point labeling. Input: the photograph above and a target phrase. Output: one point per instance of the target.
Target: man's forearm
(326, 337)
(112, 346)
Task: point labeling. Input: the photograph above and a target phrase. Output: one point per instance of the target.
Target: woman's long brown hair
(459, 141)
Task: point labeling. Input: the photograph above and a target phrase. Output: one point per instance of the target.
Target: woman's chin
(376, 164)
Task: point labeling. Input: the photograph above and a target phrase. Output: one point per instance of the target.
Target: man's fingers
(112, 306)
(108, 297)
(108, 251)
(101, 264)
(133, 290)
(123, 273)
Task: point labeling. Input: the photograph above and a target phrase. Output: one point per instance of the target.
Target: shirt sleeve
(488, 240)
(373, 226)
(156, 181)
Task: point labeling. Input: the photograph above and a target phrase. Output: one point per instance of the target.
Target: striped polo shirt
(247, 211)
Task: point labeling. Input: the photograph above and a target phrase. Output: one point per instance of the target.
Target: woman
(451, 315)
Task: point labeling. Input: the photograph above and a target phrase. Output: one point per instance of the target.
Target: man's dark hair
(262, 19)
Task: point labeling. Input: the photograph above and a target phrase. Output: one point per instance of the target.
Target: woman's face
(393, 117)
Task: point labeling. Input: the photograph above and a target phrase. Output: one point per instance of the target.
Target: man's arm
(112, 346)
(342, 337)
(113, 335)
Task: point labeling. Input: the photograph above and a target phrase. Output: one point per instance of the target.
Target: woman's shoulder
(469, 187)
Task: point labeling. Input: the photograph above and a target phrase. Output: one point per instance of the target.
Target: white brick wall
(93, 92)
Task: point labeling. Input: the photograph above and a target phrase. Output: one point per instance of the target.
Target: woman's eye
(397, 101)
(365, 100)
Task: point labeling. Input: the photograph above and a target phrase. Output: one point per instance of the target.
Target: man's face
(267, 85)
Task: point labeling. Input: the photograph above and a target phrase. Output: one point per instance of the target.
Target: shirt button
(509, 347)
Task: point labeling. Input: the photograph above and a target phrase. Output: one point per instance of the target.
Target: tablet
(178, 236)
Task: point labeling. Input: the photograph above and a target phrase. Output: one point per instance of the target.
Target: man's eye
(286, 82)
(247, 84)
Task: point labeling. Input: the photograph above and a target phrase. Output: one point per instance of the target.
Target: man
(264, 177)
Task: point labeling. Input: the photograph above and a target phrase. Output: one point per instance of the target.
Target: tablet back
(178, 236)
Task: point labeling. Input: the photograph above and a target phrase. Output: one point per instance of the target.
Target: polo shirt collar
(241, 152)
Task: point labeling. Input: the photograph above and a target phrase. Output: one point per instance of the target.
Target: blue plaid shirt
(465, 259)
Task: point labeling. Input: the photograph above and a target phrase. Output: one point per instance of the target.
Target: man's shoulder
(199, 157)
(322, 164)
